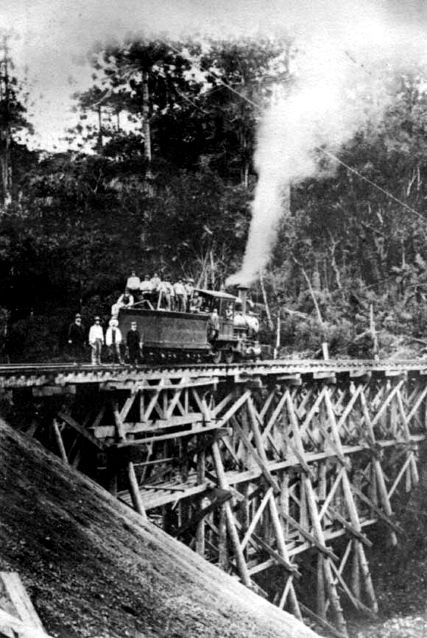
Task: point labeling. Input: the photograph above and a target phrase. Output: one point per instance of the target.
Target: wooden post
(222, 539)
(355, 571)
(200, 530)
(244, 512)
(277, 346)
(234, 537)
(329, 579)
(373, 332)
(354, 517)
(281, 544)
(367, 580)
(321, 602)
(59, 441)
(134, 490)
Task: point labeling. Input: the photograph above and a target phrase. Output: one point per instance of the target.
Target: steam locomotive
(184, 336)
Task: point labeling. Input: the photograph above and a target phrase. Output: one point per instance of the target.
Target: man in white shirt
(189, 292)
(113, 340)
(166, 295)
(96, 340)
(146, 289)
(180, 296)
(125, 300)
(133, 283)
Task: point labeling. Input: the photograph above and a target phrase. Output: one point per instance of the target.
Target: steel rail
(291, 365)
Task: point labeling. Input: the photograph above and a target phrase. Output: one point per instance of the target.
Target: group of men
(162, 294)
(112, 339)
(158, 294)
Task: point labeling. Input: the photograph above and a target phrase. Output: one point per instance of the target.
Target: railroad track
(292, 364)
(14, 375)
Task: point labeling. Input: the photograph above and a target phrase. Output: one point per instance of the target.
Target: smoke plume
(346, 53)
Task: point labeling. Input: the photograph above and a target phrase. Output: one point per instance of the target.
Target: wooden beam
(15, 628)
(59, 441)
(15, 599)
(308, 536)
(384, 517)
(81, 430)
(255, 455)
(337, 516)
(222, 480)
(134, 491)
(172, 435)
(154, 425)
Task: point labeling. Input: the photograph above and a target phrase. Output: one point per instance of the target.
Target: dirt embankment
(94, 570)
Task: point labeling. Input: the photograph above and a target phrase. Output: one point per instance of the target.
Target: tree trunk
(146, 128)
(5, 139)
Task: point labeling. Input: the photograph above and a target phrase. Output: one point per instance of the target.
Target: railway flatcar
(185, 336)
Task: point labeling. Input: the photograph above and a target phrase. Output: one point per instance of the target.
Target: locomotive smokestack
(243, 294)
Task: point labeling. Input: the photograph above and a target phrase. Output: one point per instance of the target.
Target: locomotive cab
(236, 340)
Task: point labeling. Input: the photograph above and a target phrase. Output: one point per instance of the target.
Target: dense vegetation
(163, 181)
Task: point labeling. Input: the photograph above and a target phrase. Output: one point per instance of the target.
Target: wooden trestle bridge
(274, 471)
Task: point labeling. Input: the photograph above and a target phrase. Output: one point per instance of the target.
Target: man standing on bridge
(113, 340)
(96, 341)
(77, 338)
(134, 344)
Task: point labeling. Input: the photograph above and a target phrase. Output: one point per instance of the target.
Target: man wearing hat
(96, 341)
(134, 344)
(180, 296)
(76, 338)
(132, 284)
(166, 294)
(113, 340)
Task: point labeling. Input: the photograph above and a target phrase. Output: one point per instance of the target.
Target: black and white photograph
(213, 318)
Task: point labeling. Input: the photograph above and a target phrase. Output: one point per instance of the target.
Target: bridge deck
(122, 376)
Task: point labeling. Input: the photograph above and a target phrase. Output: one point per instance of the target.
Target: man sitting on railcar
(133, 283)
(125, 300)
(146, 289)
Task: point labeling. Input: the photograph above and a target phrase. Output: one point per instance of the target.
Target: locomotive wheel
(217, 356)
(229, 356)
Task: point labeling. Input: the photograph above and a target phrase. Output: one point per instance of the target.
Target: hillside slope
(94, 570)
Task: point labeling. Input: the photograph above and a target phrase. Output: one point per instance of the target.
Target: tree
(242, 75)
(12, 121)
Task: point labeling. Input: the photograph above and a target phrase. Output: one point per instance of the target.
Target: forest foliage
(163, 180)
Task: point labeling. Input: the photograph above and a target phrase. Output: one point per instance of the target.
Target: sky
(52, 37)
